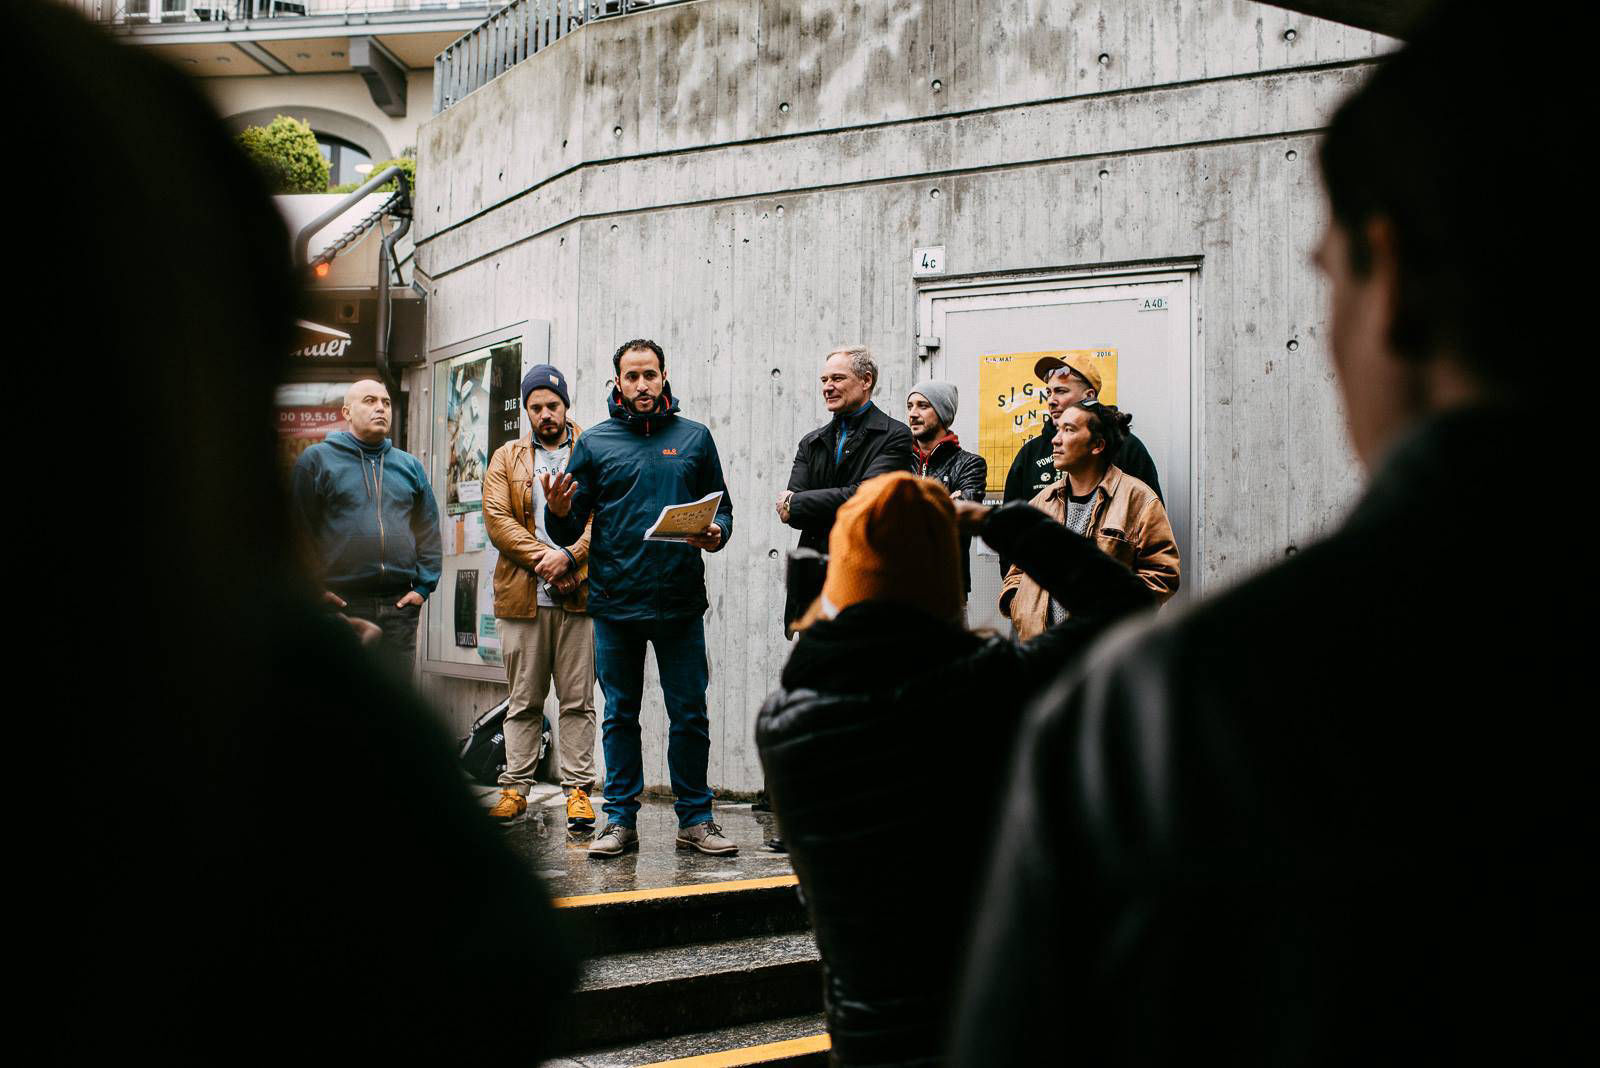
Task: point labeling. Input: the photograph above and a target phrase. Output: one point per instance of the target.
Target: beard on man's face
(550, 431)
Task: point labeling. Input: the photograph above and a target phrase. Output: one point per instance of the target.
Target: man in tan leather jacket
(1125, 518)
(540, 590)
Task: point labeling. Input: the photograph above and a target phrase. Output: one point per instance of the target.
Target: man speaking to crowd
(861, 441)
(622, 473)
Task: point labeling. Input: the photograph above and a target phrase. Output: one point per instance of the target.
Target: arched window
(343, 159)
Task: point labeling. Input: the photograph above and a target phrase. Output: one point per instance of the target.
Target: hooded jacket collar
(926, 458)
(666, 408)
(345, 441)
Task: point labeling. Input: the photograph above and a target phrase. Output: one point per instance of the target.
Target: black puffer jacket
(880, 709)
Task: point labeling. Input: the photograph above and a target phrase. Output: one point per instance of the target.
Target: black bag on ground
(483, 748)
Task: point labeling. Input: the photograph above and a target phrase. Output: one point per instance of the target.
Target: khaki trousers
(553, 644)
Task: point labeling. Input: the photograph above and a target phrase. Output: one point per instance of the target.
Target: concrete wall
(629, 182)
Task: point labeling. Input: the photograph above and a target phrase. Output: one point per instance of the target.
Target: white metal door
(1145, 318)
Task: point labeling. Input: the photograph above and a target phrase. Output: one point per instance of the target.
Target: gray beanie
(943, 397)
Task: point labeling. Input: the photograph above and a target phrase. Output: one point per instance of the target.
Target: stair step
(792, 1041)
(675, 990)
(634, 920)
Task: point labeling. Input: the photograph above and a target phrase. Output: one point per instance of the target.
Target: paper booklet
(678, 521)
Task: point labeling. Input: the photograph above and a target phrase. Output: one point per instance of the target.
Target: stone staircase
(702, 975)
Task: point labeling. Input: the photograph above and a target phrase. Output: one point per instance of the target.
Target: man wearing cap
(937, 452)
(1064, 386)
(540, 590)
(367, 510)
(859, 442)
(884, 687)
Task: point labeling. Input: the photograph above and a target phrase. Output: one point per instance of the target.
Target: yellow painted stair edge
(660, 892)
(763, 1054)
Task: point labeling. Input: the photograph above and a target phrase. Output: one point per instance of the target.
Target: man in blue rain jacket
(368, 513)
(623, 472)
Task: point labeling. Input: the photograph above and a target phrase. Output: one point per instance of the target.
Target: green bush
(407, 165)
(286, 151)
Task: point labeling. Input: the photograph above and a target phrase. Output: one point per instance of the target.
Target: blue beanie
(544, 376)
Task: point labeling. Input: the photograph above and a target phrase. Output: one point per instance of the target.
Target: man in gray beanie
(936, 453)
(540, 596)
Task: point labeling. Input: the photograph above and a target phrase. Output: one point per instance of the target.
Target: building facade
(359, 71)
(959, 184)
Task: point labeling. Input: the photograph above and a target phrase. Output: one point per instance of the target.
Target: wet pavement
(540, 838)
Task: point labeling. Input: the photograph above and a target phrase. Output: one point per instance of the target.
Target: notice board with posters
(476, 408)
(1013, 408)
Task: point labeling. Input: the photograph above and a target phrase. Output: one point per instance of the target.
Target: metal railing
(136, 12)
(511, 35)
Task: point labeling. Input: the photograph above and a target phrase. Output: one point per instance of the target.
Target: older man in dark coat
(860, 442)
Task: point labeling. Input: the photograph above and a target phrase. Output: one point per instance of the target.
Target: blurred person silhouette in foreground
(886, 700)
(1332, 815)
(228, 905)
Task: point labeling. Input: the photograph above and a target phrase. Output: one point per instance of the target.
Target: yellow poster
(1013, 401)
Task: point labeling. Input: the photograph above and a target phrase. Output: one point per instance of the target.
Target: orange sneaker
(580, 814)
(511, 805)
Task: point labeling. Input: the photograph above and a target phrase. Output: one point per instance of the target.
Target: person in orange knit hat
(884, 691)
(895, 540)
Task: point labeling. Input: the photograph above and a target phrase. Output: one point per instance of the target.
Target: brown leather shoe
(511, 805)
(707, 838)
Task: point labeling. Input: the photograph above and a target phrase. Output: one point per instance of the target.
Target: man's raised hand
(558, 492)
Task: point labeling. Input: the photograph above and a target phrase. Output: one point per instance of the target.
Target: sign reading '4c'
(926, 261)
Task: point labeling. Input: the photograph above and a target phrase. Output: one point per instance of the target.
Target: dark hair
(1108, 423)
(1416, 146)
(638, 343)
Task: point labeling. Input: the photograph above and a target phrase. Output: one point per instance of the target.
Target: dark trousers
(680, 646)
(399, 626)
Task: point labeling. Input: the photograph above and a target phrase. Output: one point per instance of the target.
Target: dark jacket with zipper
(876, 709)
(629, 468)
(876, 445)
(965, 475)
(1337, 814)
(1032, 470)
(369, 514)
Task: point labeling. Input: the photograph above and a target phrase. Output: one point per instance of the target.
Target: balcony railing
(136, 12)
(511, 35)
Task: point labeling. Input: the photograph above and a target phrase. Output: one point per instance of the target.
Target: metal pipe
(302, 241)
(384, 323)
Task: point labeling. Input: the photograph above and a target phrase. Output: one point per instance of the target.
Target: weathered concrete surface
(748, 239)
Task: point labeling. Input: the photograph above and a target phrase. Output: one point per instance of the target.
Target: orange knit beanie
(895, 540)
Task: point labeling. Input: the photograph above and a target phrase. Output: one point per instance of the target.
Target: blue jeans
(681, 659)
